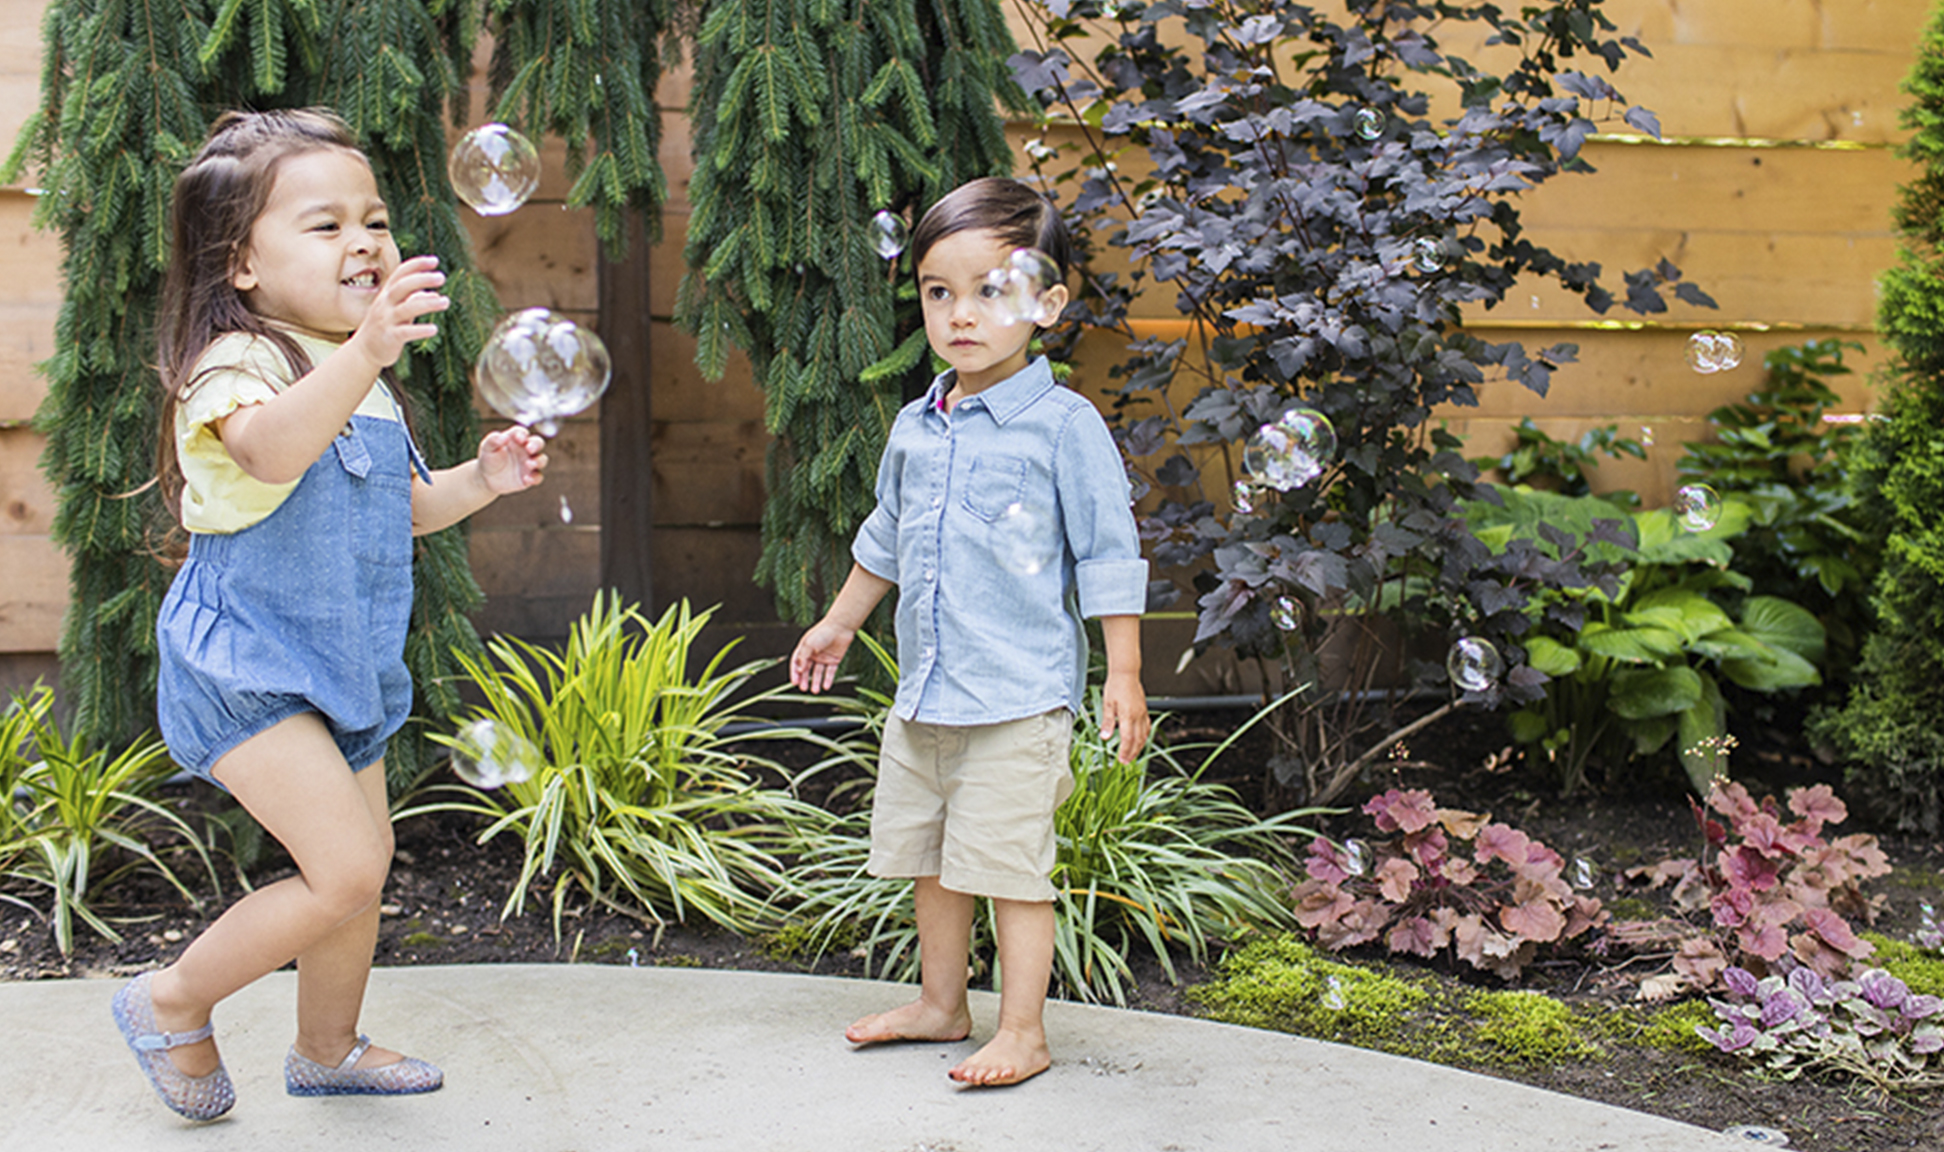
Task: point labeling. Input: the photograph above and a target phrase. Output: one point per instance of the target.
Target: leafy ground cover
(1571, 1022)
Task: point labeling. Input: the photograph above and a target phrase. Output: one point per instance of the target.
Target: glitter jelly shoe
(197, 1097)
(306, 1077)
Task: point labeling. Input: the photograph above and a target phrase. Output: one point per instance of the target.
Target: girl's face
(959, 320)
(321, 247)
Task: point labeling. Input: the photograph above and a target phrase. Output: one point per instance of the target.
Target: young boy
(992, 652)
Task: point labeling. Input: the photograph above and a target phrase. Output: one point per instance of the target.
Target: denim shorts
(304, 611)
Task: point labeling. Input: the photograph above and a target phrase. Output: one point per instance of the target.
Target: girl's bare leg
(292, 778)
(1018, 1050)
(944, 943)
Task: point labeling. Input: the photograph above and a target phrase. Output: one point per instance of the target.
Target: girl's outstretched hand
(512, 460)
(410, 293)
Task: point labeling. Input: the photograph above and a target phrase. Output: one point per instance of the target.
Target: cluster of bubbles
(1291, 450)
(1697, 507)
(1474, 664)
(1015, 293)
(888, 234)
(1025, 539)
(1709, 352)
(488, 754)
(538, 368)
(494, 169)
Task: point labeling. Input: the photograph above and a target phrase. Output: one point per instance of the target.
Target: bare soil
(444, 903)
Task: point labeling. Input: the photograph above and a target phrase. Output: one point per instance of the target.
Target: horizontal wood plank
(26, 500)
(33, 593)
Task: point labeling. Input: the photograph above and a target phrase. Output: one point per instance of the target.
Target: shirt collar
(1004, 400)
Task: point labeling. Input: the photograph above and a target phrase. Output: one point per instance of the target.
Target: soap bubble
(1356, 857)
(1016, 293)
(1428, 254)
(1286, 613)
(1370, 123)
(566, 513)
(1333, 998)
(1697, 507)
(487, 754)
(1292, 451)
(1756, 1134)
(539, 368)
(1025, 539)
(888, 234)
(1474, 664)
(1244, 501)
(1709, 352)
(494, 169)
(1583, 873)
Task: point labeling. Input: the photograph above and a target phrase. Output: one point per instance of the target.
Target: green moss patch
(1923, 971)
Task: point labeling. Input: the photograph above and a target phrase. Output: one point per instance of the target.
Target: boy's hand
(512, 460)
(1123, 708)
(813, 666)
(407, 295)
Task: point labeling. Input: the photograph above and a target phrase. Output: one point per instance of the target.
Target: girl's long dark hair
(217, 201)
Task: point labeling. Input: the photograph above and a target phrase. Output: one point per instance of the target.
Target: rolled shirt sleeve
(1110, 577)
(875, 547)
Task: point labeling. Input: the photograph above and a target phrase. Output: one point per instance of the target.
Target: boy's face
(960, 321)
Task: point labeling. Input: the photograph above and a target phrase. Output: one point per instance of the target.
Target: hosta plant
(638, 801)
(1872, 1027)
(1767, 892)
(1151, 857)
(1448, 880)
(74, 820)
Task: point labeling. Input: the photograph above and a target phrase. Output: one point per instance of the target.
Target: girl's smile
(321, 247)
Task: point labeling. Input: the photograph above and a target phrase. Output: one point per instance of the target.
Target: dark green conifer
(1891, 729)
(811, 116)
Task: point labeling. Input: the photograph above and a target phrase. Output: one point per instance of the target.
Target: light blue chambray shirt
(978, 641)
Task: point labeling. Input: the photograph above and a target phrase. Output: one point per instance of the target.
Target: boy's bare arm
(1123, 701)
(813, 666)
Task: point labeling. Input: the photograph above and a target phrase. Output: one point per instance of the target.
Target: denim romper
(304, 611)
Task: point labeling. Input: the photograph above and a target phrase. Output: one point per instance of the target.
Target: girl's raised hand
(512, 460)
(407, 295)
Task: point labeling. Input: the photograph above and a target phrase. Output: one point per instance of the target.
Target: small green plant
(1150, 855)
(1493, 898)
(1632, 652)
(1775, 892)
(73, 820)
(637, 803)
(1539, 461)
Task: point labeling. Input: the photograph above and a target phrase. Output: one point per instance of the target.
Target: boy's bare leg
(1018, 1050)
(944, 942)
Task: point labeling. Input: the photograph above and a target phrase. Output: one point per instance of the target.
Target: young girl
(282, 637)
(991, 654)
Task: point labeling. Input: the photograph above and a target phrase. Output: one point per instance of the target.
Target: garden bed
(443, 907)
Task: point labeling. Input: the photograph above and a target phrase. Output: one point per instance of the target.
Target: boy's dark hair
(1020, 216)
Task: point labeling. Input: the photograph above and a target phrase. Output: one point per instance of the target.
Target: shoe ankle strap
(167, 1040)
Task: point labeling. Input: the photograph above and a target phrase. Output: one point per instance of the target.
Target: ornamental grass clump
(1450, 879)
(1872, 1027)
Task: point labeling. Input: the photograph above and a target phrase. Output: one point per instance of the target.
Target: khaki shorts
(972, 806)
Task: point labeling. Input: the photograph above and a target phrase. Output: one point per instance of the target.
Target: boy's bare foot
(1008, 1058)
(914, 1021)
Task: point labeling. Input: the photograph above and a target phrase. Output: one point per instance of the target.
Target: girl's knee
(352, 883)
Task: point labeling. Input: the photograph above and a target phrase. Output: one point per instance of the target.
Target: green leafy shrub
(1150, 855)
(1537, 460)
(1775, 453)
(1422, 893)
(1629, 653)
(637, 803)
(75, 820)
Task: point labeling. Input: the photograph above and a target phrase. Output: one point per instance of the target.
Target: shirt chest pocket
(994, 484)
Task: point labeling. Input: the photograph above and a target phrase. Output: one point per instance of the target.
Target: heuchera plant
(1449, 879)
(1775, 892)
(1872, 1026)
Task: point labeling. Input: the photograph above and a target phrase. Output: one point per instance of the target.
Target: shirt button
(929, 575)
(937, 500)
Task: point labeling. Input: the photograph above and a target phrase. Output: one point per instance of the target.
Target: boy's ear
(1056, 298)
